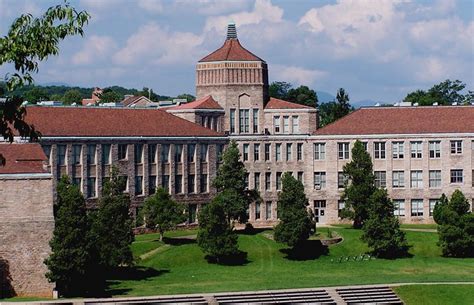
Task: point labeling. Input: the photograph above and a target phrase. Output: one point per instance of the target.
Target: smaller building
(26, 220)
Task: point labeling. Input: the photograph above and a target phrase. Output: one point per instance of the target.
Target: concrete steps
(369, 295)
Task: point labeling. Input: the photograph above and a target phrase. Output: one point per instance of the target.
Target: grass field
(436, 294)
(180, 267)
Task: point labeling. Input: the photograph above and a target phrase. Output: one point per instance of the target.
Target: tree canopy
(445, 93)
(302, 95)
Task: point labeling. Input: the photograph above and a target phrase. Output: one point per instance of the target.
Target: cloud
(297, 75)
(153, 6)
(213, 7)
(95, 48)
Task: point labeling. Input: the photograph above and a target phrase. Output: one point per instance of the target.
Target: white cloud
(297, 75)
(95, 48)
(153, 6)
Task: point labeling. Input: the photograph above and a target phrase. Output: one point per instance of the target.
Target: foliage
(160, 211)
(295, 224)
(108, 95)
(361, 186)
(301, 95)
(72, 96)
(332, 111)
(188, 97)
(70, 263)
(456, 225)
(35, 95)
(382, 230)
(279, 90)
(215, 237)
(230, 184)
(444, 93)
(112, 224)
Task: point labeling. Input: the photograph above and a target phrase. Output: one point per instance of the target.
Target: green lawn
(436, 294)
(181, 267)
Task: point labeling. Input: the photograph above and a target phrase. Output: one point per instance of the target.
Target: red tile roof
(113, 122)
(206, 102)
(275, 103)
(403, 120)
(24, 158)
(231, 50)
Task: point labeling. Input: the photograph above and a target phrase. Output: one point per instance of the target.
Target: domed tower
(238, 80)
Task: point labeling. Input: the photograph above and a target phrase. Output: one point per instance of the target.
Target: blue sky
(375, 49)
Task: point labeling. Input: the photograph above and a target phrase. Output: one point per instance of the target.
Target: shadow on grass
(308, 250)
(239, 259)
(178, 241)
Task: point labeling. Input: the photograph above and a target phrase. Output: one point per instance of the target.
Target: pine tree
(295, 224)
(361, 185)
(160, 211)
(382, 230)
(70, 263)
(112, 225)
(343, 107)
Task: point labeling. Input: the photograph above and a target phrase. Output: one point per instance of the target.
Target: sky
(377, 50)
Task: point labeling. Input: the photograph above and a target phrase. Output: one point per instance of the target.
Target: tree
(382, 230)
(110, 96)
(332, 111)
(160, 211)
(56, 97)
(187, 97)
(70, 263)
(215, 237)
(444, 93)
(35, 95)
(304, 96)
(343, 106)
(112, 224)
(295, 223)
(231, 187)
(455, 226)
(279, 90)
(72, 96)
(29, 41)
(361, 186)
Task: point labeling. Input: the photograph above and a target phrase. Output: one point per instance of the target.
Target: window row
(267, 180)
(293, 151)
(282, 124)
(243, 120)
(263, 211)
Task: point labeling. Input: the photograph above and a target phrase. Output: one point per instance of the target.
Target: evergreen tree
(70, 263)
(455, 226)
(160, 211)
(382, 230)
(112, 225)
(361, 185)
(295, 223)
(215, 237)
(343, 107)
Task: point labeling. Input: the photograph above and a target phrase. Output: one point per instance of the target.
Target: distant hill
(324, 97)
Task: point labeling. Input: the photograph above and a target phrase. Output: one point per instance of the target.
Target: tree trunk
(161, 234)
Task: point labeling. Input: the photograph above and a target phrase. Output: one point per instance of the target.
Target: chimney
(231, 31)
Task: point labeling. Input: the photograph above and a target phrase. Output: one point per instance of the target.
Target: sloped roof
(403, 120)
(275, 103)
(113, 122)
(22, 158)
(206, 102)
(231, 50)
(130, 100)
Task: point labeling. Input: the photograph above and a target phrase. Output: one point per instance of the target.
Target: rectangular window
(191, 184)
(77, 182)
(151, 184)
(192, 213)
(300, 177)
(286, 124)
(165, 182)
(456, 176)
(139, 153)
(138, 185)
(398, 150)
(256, 152)
(61, 154)
(416, 149)
(380, 179)
(246, 180)
(319, 180)
(91, 187)
(257, 210)
(399, 207)
(268, 148)
(416, 179)
(165, 153)
(299, 151)
(256, 179)
(245, 153)
(268, 210)
(276, 124)
(319, 203)
(124, 180)
(341, 204)
(435, 149)
(178, 184)
(191, 152)
(204, 150)
(417, 207)
(341, 180)
(47, 151)
(76, 154)
(456, 147)
(178, 153)
(432, 206)
(219, 152)
(122, 151)
(91, 151)
(379, 150)
(366, 145)
(319, 151)
(105, 154)
(343, 151)
(398, 179)
(232, 120)
(244, 120)
(255, 120)
(295, 121)
(278, 181)
(268, 181)
(289, 148)
(278, 152)
(204, 183)
(435, 178)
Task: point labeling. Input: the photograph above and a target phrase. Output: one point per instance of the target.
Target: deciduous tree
(72, 96)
